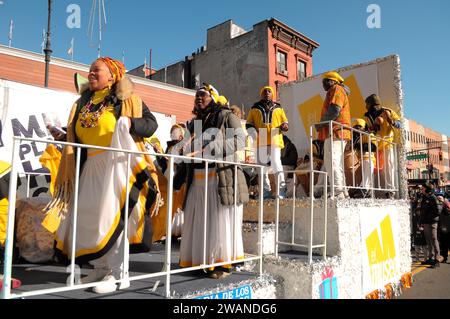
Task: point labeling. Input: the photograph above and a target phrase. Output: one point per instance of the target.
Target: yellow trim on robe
(202, 175)
(137, 169)
(93, 152)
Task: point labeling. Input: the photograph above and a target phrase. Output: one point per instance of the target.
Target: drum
(303, 179)
(352, 163)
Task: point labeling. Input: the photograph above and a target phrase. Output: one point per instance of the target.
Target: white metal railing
(375, 183)
(124, 281)
(310, 245)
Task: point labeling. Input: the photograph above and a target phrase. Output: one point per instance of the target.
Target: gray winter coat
(222, 118)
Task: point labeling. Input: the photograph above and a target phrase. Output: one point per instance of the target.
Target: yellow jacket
(385, 130)
(261, 118)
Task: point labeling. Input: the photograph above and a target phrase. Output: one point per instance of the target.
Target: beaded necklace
(88, 117)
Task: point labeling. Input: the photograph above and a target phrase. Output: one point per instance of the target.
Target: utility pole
(48, 51)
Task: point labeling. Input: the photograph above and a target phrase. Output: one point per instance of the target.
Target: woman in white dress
(224, 216)
(108, 114)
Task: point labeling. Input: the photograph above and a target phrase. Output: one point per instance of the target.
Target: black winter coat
(430, 209)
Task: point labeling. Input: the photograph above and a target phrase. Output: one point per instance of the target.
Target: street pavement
(429, 283)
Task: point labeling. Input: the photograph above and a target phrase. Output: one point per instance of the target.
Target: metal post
(372, 186)
(293, 215)
(325, 203)
(126, 255)
(361, 152)
(48, 51)
(28, 185)
(385, 166)
(169, 226)
(428, 166)
(293, 211)
(311, 202)
(205, 212)
(378, 160)
(331, 160)
(277, 215)
(397, 171)
(74, 218)
(344, 185)
(7, 266)
(353, 159)
(311, 158)
(260, 220)
(235, 212)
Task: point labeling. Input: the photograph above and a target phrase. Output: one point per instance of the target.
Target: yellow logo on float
(381, 253)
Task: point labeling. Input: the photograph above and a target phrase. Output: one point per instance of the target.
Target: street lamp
(48, 51)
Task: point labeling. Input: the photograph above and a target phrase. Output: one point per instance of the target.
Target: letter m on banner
(381, 251)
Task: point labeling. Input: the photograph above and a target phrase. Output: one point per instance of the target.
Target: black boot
(429, 261)
(435, 263)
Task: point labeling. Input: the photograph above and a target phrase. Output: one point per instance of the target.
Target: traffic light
(440, 156)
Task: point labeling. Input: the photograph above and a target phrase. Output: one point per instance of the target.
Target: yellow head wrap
(359, 122)
(333, 76)
(261, 92)
(222, 100)
(116, 68)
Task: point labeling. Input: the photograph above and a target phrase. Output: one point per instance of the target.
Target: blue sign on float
(243, 292)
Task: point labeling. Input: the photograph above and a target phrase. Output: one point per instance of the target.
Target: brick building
(29, 68)
(419, 138)
(238, 62)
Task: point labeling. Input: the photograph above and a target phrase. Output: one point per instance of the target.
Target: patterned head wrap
(116, 68)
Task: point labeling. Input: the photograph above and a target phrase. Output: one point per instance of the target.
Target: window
(301, 70)
(281, 62)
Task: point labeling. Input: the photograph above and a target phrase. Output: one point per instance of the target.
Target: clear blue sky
(418, 31)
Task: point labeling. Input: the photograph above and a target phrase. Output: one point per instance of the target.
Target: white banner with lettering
(380, 249)
(26, 111)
